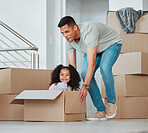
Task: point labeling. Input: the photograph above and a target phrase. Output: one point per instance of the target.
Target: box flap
(36, 94)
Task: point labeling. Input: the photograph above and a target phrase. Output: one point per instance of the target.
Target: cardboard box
(131, 107)
(52, 105)
(112, 21)
(131, 63)
(15, 80)
(140, 25)
(129, 85)
(9, 111)
(134, 42)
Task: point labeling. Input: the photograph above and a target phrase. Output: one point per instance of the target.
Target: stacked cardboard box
(12, 82)
(131, 42)
(130, 71)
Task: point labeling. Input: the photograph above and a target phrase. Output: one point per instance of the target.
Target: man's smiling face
(69, 32)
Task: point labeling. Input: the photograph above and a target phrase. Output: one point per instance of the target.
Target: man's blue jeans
(105, 61)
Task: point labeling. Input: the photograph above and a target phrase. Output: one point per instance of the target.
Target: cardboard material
(134, 42)
(9, 111)
(112, 21)
(15, 80)
(129, 85)
(51, 105)
(132, 107)
(131, 63)
(140, 25)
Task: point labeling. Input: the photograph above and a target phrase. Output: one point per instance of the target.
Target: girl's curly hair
(74, 76)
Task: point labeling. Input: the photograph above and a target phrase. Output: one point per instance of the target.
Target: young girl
(65, 78)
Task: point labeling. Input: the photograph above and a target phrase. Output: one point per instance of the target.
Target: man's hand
(83, 93)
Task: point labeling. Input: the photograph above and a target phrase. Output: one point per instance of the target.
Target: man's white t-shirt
(94, 34)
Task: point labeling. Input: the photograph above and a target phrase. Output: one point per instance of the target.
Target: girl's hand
(83, 93)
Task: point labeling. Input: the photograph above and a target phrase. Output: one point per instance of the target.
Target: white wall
(37, 21)
(94, 10)
(118, 4)
(27, 17)
(56, 53)
(60, 53)
(145, 4)
(50, 34)
(73, 8)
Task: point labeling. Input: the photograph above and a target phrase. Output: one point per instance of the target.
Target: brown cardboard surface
(15, 80)
(112, 21)
(74, 117)
(72, 104)
(1, 107)
(52, 105)
(132, 107)
(134, 42)
(44, 110)
(131, 63)
(10, 111)
(129, 85)
(140, 25)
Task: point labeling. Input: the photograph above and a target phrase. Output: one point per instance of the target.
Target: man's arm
(91, 58)
(72, 58)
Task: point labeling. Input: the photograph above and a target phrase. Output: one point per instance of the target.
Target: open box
(51, 105)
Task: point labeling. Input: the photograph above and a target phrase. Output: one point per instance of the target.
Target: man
(101, 46)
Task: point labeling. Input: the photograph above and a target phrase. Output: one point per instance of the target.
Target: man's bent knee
(104, 69)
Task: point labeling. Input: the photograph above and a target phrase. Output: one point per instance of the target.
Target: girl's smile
(64, 75)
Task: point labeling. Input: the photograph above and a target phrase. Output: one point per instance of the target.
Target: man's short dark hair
(66, 20)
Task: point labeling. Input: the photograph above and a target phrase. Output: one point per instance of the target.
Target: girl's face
(64, 75)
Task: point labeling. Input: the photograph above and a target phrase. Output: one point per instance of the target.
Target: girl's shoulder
(53, 86)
